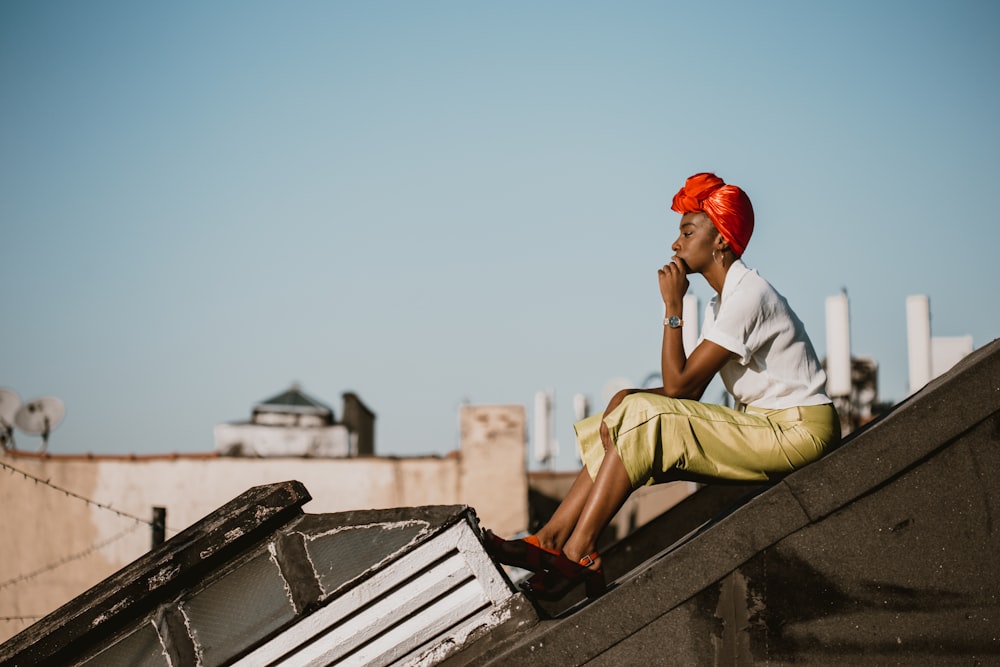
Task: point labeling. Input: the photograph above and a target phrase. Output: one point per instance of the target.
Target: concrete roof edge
(945, 409)
(930, 420)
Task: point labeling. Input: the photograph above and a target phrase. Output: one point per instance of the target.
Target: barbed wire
(65, 560)
(72, 494)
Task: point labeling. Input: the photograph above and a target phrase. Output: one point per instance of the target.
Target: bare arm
(689, 377)
(683, 376)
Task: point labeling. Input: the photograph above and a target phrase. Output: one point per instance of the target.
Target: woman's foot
(527, 553)
(561, 575)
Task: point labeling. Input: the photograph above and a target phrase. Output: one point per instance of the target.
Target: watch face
(674, 321)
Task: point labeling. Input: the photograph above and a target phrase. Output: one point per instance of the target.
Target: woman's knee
(606, 439)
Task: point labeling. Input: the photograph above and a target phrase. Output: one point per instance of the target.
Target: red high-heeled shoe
(527, 553)
(561, 575)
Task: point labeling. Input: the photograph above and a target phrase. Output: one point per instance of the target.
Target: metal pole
(159, 525)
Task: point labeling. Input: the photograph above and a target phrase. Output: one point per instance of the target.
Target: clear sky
(429, 203)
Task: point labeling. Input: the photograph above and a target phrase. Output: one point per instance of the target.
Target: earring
(716, 259)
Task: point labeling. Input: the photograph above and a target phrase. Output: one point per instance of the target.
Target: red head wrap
(727, 206)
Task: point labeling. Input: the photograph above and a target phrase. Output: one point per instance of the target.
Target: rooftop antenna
(9, 404)
(40, 417)
(545, 449)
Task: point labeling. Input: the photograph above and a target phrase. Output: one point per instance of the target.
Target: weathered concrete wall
(42, 529)
(55, 546)
(490, 478)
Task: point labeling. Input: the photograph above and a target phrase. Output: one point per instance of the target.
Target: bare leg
(556, 531)
(607, 494)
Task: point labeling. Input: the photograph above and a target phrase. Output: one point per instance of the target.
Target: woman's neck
(716, 277)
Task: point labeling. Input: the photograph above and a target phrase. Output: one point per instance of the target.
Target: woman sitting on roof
(782, 418)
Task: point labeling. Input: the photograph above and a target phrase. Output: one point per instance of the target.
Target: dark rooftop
(295, 400)
(884, 552)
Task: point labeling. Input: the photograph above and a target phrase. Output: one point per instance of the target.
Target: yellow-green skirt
(661, 439)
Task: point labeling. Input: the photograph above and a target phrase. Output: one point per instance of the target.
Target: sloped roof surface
(293, 399)
(883, 552)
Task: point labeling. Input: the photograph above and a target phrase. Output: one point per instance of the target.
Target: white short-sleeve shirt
(776, 366)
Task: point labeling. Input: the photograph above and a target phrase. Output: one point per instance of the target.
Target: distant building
(296, 424)
(70, 520)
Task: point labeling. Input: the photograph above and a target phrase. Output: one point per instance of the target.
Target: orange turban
(727, 206)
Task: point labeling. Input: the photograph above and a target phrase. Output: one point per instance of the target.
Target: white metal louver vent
(429, 600)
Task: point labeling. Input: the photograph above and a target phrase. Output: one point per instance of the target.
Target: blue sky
(429, 203)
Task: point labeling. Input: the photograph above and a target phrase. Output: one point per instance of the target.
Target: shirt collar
(737, 270)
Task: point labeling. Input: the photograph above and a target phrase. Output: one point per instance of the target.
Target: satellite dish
(9, 404)
(40, 417)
